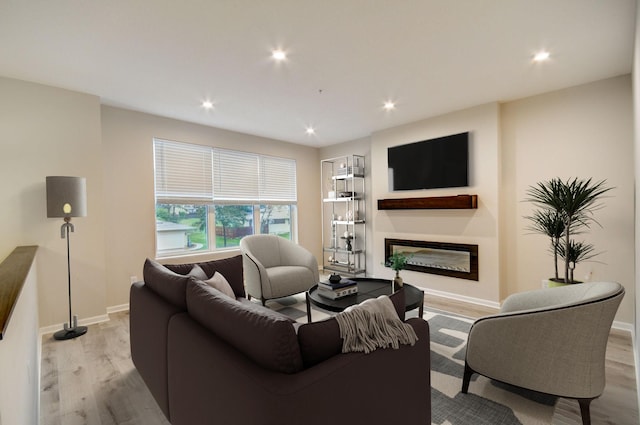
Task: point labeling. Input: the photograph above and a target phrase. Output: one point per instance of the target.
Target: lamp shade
(66, 196)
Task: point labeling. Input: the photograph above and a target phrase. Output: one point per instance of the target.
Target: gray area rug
(487, 403)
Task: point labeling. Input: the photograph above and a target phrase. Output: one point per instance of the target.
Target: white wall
(477, 226)
(48, 131)
(584, 131)
(129, 194)
(20, 359)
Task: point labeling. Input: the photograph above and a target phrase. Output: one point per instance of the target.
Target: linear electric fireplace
(446, 259)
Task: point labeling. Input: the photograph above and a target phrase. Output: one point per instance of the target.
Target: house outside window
(207, 199)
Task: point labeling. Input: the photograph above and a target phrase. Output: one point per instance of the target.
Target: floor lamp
(66, 198)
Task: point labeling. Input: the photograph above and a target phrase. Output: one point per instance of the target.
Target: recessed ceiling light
(207, 104)
(279, 55)
(389, 105)
(541, 56)
(310, 131)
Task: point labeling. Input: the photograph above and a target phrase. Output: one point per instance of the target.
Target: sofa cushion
(263, 335)
(169, 285)
(321, 340)
(230, 268)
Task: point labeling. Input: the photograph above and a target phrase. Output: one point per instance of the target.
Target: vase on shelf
(397, 282)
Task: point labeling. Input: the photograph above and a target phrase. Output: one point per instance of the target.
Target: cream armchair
(275, 267)
(552, 341)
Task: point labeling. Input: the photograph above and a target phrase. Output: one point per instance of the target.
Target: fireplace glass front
(447, 259)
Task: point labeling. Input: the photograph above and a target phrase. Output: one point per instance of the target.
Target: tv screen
(430, 164)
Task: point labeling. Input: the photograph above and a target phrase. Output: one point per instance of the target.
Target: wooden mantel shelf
(430, 203)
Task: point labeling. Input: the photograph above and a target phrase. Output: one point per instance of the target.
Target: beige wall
(636, 111)
(479, 226)
(49, 131)
(585, 131)
(128, 168)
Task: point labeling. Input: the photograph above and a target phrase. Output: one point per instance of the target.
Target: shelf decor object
(343, 215)
(457, 202)
(67, 198)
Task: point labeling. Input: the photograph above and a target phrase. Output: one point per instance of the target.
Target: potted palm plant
(566, 209)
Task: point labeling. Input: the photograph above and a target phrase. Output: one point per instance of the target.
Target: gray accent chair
(275, 267)
(552, 341)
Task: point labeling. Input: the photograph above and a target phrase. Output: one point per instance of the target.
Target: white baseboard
(623, 326)
(88, 321)
(457, 297)
(82, 322)
(117, 308)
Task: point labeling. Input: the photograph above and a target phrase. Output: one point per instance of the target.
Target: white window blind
(182, 172)
(188, 173)
(235, 176)
(277, 179)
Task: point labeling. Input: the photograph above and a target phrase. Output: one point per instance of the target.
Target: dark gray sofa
(211, 359)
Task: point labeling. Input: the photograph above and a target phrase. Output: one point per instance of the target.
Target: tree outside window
(233, 222)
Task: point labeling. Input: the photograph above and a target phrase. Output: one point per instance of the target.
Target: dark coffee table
(367, 288)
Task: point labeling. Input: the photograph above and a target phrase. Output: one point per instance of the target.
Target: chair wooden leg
(584, 410)
(466, 378)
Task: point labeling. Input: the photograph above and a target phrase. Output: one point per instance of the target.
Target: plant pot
(553, 283)
(397, 282)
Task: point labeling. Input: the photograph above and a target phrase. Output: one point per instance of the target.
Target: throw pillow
(219, 282)
(232, 270)
(230, 267)
(198, 273)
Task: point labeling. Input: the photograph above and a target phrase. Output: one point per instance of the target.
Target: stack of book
(335, 290)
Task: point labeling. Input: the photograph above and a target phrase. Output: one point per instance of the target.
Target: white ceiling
(345, 57)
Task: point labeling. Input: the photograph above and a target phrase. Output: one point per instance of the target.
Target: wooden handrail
(13, 273)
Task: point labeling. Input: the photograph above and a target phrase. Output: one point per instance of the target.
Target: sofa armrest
(215, 379)
(149, 316)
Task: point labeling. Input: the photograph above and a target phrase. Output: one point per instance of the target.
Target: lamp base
(70, 333)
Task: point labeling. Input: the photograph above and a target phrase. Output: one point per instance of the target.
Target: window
(276, 220)
(207, 198)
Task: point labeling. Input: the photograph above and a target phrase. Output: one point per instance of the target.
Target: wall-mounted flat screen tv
(430, 164)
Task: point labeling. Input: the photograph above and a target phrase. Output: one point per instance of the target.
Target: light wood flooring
(92, 381)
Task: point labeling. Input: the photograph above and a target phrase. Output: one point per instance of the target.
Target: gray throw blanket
(373, 324)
